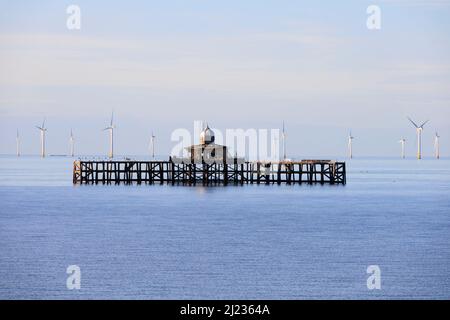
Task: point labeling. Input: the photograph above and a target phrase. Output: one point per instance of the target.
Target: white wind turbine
(111, 137)
(403, 141)
(42, 129)
(18, 143)
(419, 130)
(436, 145)
(152, 145)
(72, 144)
(283, 135)
(350, 145)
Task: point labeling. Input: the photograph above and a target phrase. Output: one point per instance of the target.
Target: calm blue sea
(235, 242)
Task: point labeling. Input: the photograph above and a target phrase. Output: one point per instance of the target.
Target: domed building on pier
(207, 150)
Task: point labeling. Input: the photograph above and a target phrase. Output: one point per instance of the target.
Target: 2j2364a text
(230, 310)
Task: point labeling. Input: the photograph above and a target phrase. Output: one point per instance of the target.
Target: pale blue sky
(238, 64)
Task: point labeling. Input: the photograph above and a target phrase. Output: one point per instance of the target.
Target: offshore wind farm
(209, 163)
(151, 147)
(212, 163)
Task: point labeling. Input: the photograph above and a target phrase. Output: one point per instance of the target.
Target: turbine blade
(415, 125)
(112, 118)
(421, 126)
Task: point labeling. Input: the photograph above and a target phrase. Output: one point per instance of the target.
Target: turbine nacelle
(42, 127)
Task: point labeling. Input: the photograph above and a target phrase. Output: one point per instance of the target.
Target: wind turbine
(152, 145)
(18, 143)
(111, 136)
(436, 145)
(419, 130)
(72, 144)
(43, 130)
(283, 135)
(350, 145)
(403, 141)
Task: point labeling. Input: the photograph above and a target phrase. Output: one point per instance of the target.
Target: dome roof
(207, 136)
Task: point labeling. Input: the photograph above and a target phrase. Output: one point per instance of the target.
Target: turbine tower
(283, 135)
(403, 141)
(436, 145)
(350, 145)
(419, 130)
(152, 145)
(42, 129)
(18, 143)
(72, 144)
(111, 137)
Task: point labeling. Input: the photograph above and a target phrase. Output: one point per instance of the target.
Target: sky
(161, 65)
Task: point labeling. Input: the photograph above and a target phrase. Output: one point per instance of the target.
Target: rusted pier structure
(209, 163)
(191, 172)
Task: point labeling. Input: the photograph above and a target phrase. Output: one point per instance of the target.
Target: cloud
(300, 67)
(247, 62)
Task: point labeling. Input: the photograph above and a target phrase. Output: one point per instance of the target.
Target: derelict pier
(191, 173)
(209, 163)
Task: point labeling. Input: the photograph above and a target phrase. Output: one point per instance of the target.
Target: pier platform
(190, 172)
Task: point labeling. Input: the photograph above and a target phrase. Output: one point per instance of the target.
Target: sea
(233, 242)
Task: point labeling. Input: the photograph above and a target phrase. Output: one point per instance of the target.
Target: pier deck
(191, 173)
